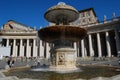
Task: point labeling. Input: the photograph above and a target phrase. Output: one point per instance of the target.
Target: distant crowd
(11, 60)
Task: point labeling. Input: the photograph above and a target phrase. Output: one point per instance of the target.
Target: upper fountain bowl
(61, 12)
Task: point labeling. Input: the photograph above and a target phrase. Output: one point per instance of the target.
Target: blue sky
(31, 12)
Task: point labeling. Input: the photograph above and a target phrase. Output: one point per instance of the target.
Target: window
(88, 13)
(90, 19)
(82, 15)
(84, 21)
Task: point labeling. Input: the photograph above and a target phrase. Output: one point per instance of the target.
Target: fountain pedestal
(63, 58)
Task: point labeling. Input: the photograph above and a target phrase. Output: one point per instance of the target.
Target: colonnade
(94, 45)
(101, 44)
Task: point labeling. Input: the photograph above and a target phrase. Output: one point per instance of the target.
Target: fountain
(62, 35)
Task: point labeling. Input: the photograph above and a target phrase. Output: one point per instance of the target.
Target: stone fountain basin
(89, 72)
(60, 32)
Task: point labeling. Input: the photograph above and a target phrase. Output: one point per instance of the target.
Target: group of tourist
(11, 62)
(37, 61)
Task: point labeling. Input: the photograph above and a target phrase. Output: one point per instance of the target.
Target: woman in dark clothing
(9, 63)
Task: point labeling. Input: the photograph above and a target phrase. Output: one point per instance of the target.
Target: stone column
(90, 45)
(7, 42)
(82, 48)
(27, 49)
(117, 38)
(14, 48)
(41, 49)
(24, 49)
(34, 48)
(108, 44)
(99, 45)
(47, 50)
(21, 48)
(75, 47)
(85, 51)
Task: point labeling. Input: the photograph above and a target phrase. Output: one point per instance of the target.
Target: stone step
(9, 78)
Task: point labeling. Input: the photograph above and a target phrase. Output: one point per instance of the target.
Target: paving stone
(2, 75)
(9, 78)
(80, 79)
(100, 78)
(28, 79)
(117, 77)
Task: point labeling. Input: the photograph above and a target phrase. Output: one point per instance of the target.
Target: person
(119, 62)
(12, 63)
(9, 62)
(38, 61)
(1, 57)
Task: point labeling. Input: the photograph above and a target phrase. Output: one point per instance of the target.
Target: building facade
(103, 39)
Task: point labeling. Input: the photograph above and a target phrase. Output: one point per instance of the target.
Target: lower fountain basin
(88, 72)
(62, 32)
